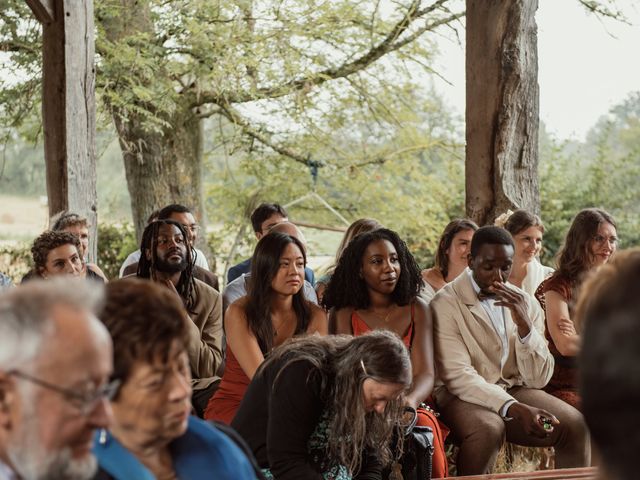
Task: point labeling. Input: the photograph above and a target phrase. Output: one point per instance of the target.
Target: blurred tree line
(416, 192)
(268, 89)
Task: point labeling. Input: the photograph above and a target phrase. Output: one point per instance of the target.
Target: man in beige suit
(492, 359)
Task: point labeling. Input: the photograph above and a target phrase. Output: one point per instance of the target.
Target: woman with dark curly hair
(326, 407)
(362, 225)
(56, 253)
(590, 242)
(375, 287)
(273, 311)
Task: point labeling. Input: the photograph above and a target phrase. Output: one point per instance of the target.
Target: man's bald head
(289, 229)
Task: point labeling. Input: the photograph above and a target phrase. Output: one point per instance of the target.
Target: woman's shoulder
(239, 306)
(236, 312)
(433, 277)
(318, 318)
(558, 283)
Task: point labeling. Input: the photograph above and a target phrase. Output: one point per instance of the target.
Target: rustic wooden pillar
(502, 98)
(68, 107)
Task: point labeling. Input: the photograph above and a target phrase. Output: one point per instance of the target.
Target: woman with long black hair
(274, 310)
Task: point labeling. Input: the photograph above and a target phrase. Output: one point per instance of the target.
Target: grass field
(21, 218)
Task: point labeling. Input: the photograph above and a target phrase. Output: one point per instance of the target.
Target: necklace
(280, 325)
(384, 318)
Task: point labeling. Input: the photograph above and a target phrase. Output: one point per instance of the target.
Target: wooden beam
(68, 111)
(43, 10)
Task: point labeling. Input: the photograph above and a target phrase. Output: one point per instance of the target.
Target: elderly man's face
(50, 434)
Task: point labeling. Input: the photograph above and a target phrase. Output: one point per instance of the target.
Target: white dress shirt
(6, 473)
(498, 320)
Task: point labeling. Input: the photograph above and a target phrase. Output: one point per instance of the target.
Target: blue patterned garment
(317, 447)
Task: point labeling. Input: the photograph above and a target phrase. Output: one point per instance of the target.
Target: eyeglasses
(600, 240)
(85, 402)
(192, 228)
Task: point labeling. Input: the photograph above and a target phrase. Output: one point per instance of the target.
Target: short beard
(32, 462)
(167, 267)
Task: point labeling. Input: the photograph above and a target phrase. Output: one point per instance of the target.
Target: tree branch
(595, 6)
(387, 45)
(15, 46)
(235, 118)
(427, 27)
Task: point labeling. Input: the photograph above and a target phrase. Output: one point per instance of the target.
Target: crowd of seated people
(161, 375)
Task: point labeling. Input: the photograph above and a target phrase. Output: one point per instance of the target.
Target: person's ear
(147, 254)
(42, 272)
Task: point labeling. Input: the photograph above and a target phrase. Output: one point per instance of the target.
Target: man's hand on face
(515, 301)
(535, 421)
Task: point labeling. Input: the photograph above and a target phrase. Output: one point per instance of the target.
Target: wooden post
(68, 107)
(502, 108)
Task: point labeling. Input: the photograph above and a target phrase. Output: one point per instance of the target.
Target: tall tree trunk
(163, 168)
(502, 108)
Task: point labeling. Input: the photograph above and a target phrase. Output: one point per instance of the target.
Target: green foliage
(115, 243)
(411, 179)
(15, 261)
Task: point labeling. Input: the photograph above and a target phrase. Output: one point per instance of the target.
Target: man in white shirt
(55, 363)
(492, 360)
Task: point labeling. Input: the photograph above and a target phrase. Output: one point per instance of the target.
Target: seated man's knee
(491, 429)
(572, 423)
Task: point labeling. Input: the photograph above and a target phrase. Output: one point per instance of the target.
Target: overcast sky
(586, 65)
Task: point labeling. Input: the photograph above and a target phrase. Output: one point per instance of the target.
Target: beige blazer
(205, 336)
(468, 349)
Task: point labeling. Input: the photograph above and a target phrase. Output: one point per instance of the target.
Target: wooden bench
(588, 473)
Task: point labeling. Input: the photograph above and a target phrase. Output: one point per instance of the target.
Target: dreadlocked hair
(147, 266)
(264, 267)
(343, 363)
(347, 288)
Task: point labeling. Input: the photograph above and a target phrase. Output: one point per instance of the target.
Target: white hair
(25, 314)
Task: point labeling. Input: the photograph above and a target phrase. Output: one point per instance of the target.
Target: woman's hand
(567, 327)
(561, 327)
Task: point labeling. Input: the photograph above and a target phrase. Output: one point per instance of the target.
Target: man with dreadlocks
(167, 258)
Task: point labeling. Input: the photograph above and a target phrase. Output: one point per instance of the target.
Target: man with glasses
(55, 362)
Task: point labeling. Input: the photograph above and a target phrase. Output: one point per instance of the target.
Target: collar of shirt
(6, 473)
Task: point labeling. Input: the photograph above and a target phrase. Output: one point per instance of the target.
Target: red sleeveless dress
(426, 416)
(224, 403)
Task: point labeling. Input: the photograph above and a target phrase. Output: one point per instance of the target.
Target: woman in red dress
(375, 286)
(590, 242)
(273, 311)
